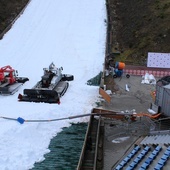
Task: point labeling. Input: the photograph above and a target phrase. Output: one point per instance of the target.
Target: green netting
(65, 149)
(95, 81)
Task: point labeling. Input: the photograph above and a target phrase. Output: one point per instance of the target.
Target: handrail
(97, 142)
(84, 145)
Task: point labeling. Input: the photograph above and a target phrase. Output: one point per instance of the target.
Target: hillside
(139, 27)
(9, 11)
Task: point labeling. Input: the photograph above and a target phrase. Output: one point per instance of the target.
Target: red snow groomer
(9, 80)
(50, 88)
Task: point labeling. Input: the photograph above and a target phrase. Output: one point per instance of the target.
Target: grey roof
(156, 139)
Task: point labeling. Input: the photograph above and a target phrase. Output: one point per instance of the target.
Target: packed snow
(70, 34)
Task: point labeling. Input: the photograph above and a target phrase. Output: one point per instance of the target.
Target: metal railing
(163, 124)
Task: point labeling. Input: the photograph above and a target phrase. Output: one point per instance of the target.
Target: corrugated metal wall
(163, 98)
(166, 100)
(159, 94)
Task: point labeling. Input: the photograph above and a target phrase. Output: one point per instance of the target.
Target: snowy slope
(72, 35)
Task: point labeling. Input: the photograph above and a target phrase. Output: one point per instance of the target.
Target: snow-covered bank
(72, 35)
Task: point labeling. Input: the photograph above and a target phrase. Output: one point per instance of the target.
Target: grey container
(163, 95)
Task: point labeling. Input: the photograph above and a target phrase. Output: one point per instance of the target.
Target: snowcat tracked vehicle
(50, 88)
(9, 80)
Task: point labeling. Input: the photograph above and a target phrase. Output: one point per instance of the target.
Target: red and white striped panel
(143, 72)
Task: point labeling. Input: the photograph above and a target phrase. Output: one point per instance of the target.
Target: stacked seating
(150, 158)
(163, 159)
(127, 158)
(138, 158)
(147, 161)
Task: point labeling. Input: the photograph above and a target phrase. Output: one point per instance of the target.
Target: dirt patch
(110, 83)
(9, 11)
(139, 27)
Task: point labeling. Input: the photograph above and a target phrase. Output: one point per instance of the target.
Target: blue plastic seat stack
(163, 159)
(150, 158)
(127, 158)
(138, 158)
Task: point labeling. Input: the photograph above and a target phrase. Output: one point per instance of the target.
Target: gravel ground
(138, 97)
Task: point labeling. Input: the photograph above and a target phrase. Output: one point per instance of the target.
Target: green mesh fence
(95, 81)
